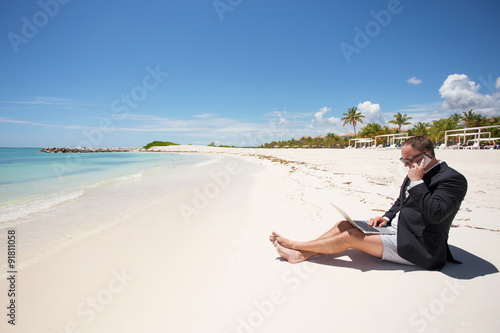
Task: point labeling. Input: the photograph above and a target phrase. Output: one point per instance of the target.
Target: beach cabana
(392, 140)
(476, 133)
(362, 141)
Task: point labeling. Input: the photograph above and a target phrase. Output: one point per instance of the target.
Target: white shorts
(390, 253)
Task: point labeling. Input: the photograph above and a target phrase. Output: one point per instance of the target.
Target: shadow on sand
(472, 267)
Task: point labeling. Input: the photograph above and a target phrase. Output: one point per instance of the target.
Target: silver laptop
(363, 226)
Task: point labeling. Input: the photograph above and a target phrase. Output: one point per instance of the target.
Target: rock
(89, 150)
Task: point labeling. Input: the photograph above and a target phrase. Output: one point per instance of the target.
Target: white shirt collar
(439, 162)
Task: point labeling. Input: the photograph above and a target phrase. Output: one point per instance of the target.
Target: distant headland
(104, 150)
(89, 150)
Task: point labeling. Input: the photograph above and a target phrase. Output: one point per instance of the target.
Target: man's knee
(353, 235)
(344, 226)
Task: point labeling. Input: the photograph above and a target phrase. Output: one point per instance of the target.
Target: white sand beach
(194, 256)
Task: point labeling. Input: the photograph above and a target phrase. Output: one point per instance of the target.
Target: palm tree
(495, 132)
(439, 127)
(481, 120)
(371, 130)
(420, 129)
(456, 117)
(468, 117)
(473, 119)
(352, 116)
(364, 131)
(387, 130)
(495, 120)
(400, 120)
(308, 141)
(331, 136)
(344, 141)
(331, 139)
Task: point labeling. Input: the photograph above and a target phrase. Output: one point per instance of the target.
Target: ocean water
(31, 182)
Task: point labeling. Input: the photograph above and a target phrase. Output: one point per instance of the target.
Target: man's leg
(294, 256)
(336, 240)
(340, 227)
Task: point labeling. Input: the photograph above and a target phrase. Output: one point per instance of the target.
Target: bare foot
(292, 256)
(281, 240)
(272, 238)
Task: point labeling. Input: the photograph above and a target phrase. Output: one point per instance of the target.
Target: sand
(195, 256)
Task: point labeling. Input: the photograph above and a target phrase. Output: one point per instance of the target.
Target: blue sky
(124, 73)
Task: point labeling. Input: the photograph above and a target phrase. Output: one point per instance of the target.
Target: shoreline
(195, 246)
(33, 182)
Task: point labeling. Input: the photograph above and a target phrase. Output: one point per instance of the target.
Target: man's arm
(445, 198)
(378, 221)
(443, 201)
(392, 211)
(382, 221)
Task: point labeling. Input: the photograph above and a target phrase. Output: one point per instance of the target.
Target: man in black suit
(430, 197)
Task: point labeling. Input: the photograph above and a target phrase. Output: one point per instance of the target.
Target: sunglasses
(409, 161)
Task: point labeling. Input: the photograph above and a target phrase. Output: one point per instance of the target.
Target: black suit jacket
(425, 216)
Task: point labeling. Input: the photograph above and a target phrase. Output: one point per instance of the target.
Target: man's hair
(421, 143)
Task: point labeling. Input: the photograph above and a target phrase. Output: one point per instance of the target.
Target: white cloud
(413, 80)
(497, 85)
(371, 112)
(41, 101)
(23, 122)
(206, 127)
(280, 119)
(318, 117)
(204, 115)
(418, 108)
(460, 94)
(421, 112)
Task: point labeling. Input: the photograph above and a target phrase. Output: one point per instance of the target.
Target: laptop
(363, 226)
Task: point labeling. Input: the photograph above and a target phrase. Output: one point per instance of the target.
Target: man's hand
(417, 171)
(378, 221)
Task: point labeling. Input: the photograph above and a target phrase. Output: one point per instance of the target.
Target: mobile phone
(426, 160)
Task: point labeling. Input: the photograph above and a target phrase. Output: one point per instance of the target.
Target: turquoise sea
(31, 181)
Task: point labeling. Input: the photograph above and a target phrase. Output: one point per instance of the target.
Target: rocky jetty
(89, 150)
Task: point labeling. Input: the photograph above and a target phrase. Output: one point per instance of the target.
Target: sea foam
(25, 207)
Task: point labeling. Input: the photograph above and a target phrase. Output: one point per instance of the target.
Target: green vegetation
(435, 130)
(420, 129)
(159, 143)
(352, 116)
(400, 120)
(222, 146)
(330, 141)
